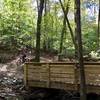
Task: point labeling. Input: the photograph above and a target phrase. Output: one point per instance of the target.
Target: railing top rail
(64, 63)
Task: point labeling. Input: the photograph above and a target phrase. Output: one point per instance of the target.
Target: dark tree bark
(37, 1)
(75, 19)
(45, 26)
(80, 51)
(98, 33)
(55, 10)
(38, 34)
(45, 3)
(62, 36)
(46, 13)
(63, 32)
(70, 29)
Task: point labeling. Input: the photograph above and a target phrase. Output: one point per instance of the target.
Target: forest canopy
(18, 23)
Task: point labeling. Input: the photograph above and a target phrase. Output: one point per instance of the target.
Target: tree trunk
(70, 29)
(98, 33)
(63, 31)
(38, 34)
(55, 18)
(45, 26)
(80, 51)
(62, 37)
(75, 19)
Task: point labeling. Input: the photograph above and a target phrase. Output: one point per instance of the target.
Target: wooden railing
(61, 75)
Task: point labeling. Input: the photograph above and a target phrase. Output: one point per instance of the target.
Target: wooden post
(48, 80)
(98, 32)
(25, 75)
(76, 73)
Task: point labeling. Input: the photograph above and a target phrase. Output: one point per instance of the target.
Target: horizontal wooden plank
(60, 85)
(62, 75)
(90, 65)
(94, 81)
(38, 75)
(37, 83)
(36, 63)
(38, 67)
(94, 72)
(62, 63)
(92, 69)
(37, 71)
(61, 71)
(31, 67)
(35, 79)
(92, 78)
(65, 80)
(92, 75)
(62, 66)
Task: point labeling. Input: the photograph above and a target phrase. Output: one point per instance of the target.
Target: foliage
(18, 25)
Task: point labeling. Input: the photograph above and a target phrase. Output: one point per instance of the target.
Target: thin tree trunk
(75, 19)
(37, 1)
(45, 26)
(70, 29)
(63, 31)
(80, 51)
(38, 34)
(55, 18)
(98, 33)
(62, 37)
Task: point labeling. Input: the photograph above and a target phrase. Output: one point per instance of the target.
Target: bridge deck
(61, 76)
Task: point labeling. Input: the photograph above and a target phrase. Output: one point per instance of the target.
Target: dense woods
(50, 31)
(19, 18)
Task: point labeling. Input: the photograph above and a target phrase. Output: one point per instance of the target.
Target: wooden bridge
(62, 76)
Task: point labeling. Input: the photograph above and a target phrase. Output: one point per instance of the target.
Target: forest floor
(11, 75)
(12, 85)
(11, 80)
